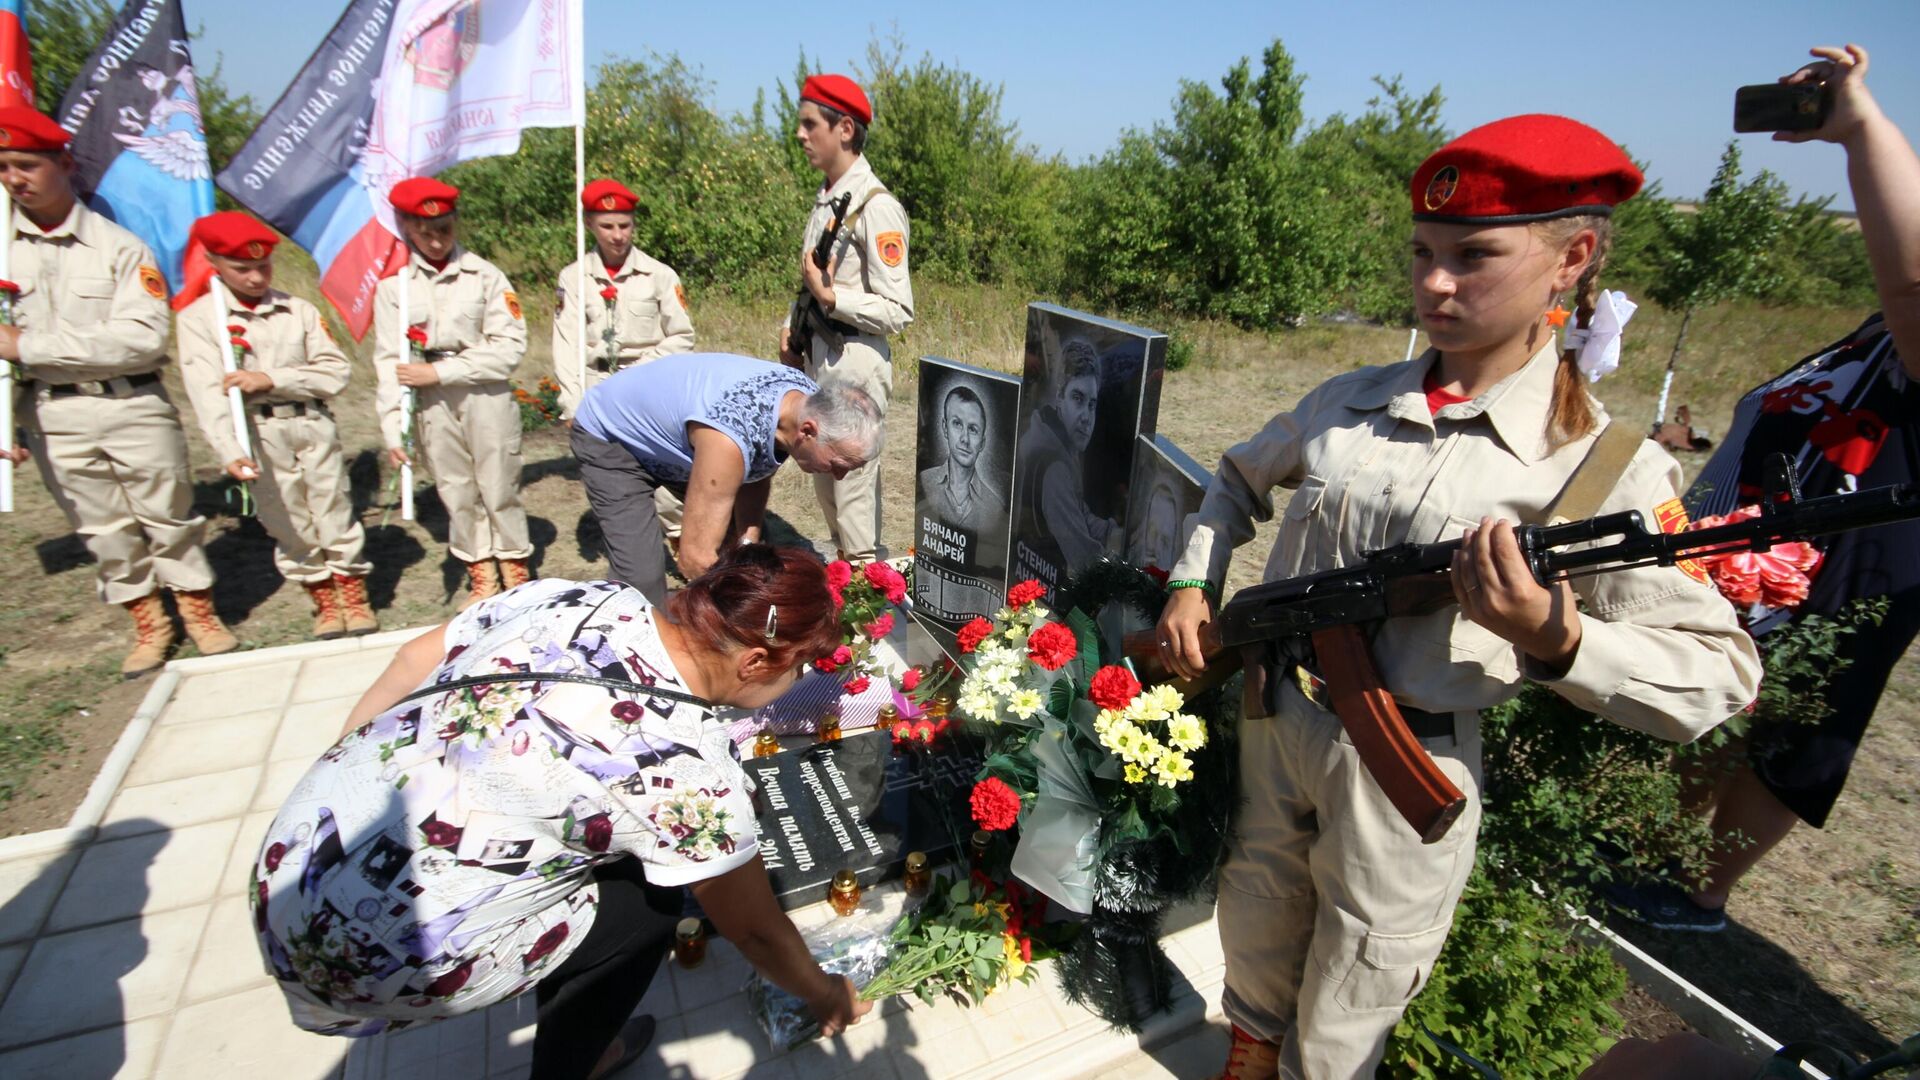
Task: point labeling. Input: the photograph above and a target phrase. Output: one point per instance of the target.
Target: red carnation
(911, 680)
(9, 288)
(1026, 950)
(843, 656)
(995, 805)
(1113, 687)
(1051, 646)
(975, 632)
(826, 664)
(839, 573)
(881, 626)
(597, 832)
(417, 335)
(609, 294)
(876, 575)
(859, 685)
(1025, 593)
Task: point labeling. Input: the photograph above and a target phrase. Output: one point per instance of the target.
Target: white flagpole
(6, 367)
(579, 207)
(405, 321)
(236, 404)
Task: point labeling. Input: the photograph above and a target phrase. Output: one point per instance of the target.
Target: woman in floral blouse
(456, 849)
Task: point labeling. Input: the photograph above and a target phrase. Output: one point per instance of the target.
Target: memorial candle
(766, 744)
(829, 729)
(689, 944)
(845, 892)
(916, 878)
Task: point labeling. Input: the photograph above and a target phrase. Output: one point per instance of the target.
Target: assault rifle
(1412, 579)
(809, 318)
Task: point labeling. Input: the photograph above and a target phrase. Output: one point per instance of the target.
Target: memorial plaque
(1167, 485)
(962, 505)
(856, 803)
(1091, 387)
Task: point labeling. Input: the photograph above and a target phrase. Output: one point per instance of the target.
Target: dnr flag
(138, 144)
(16, 62)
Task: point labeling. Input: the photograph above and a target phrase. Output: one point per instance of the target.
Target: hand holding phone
(1842, 109)
(1781, 107)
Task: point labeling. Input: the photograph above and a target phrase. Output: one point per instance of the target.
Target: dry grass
(1831, 922)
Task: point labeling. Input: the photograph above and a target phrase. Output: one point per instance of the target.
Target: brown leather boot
(209, 634)
(1250, 1058)
(152, 636)
(354, 605)
(484, 579)
(328, 620)
(514, 573)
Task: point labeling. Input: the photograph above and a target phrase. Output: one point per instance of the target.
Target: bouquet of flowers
(1776, 578)
(969, 939)
(866, 599)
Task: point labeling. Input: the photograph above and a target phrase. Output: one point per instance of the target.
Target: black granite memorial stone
(859, 804)
(1091, 387)
(962, 496)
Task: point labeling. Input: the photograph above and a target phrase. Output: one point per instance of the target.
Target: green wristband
(1191, 583)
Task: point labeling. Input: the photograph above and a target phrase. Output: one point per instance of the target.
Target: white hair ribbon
(1597, 346)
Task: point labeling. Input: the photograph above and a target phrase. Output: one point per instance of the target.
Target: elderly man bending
(713, 428)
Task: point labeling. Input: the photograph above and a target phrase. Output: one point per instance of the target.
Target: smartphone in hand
(1781, 107)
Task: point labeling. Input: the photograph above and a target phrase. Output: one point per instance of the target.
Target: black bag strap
(620, 685)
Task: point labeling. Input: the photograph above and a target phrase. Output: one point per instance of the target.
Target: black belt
(1423, 724)
(285, 409)
(102, 387)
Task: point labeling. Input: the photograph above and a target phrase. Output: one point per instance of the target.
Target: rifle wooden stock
(1413, 783)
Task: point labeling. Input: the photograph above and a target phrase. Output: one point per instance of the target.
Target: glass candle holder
(916, 877)
(766, 744)
(844, 893)
(829, 729)
(889, 716)
(938, 706)
(689, 943)
(977, 848)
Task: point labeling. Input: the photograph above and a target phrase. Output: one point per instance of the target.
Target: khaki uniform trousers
(1331, 910)
(852, 506)
(665, 503)
(471, 437)
(117, 467)
(303, 499)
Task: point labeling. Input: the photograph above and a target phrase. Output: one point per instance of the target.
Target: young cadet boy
(288, 369)
(468, 422)
(89, 336)
(838, 331)
(636, 311)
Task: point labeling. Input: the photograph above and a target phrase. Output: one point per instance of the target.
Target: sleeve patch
(680, 291)
(892, 247)
(513, 303)
(151, 281)
(1671, 516)
(327, 329)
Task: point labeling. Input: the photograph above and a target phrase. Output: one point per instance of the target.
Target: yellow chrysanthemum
(1135, 774)
(1016, 967)
(1024, 703)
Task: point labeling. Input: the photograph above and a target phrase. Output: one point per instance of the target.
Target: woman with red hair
(519, 799)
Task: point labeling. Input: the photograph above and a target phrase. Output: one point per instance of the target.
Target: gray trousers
(621, 493)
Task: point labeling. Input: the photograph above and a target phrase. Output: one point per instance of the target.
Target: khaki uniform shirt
(287, 338)
(92, 303)
(871, 288)
(650, 319)
(470, 311)
(1660, 651)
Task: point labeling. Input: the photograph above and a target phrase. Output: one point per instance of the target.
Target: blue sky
(1658, 77)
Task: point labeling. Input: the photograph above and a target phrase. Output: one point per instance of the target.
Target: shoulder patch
(680, 291)
(513, 303)
(892, 247)
(1671, 517)
(151, 281)
(326, 328)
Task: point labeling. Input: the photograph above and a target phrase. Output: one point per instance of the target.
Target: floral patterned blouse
(438, 859)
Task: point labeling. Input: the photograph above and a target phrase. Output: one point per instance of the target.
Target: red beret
(840, 93)
(608, 195)
(1523, 168)
(235, 235)
(22, 128)
(423, 196)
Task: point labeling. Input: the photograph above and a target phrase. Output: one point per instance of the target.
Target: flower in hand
(610, 294)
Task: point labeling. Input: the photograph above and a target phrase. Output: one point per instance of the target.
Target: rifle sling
(1597, 474)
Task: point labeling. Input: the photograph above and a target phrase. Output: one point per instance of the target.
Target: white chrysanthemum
(1186, 732)
(977, 701)
(1140, 711)
(1104, 722)
(1151, 750)
(1162, 700)
(1172, 768)
(1024, 703)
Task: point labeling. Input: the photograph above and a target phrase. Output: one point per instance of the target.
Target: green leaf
(960, 892)
(983, 971)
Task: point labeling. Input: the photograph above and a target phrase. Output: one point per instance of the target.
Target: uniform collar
(636, 263)
(1515, 407)
(858, 175)
(275, 300)
(456, 262)
(76, 225)
(946, 479)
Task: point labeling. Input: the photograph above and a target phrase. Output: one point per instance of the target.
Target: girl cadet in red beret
(1331, 909)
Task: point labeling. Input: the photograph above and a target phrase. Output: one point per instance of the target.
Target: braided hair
(1570, 417)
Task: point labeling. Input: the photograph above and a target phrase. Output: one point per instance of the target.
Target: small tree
(1717, 252)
